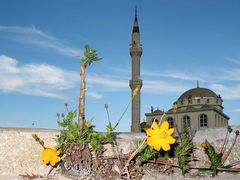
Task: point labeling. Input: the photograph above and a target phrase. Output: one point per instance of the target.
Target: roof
(198, 92)
(192, 109)
(157, 111)
(135, 25)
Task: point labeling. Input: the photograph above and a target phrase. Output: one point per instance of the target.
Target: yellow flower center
(162, 134)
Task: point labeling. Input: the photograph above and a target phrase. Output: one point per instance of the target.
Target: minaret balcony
(134, 83)
(136, 51)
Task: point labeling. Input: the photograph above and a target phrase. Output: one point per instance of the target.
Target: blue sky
(183, 41)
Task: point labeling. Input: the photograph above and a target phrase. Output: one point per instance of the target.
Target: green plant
(214, 157)
(148, 153)
(70, 134)
(184, 150)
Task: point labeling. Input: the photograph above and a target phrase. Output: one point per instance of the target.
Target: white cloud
(36, 37)
(50, 81)
(233, 60)
(163, 87)
(8, 64)
(35, 79)
(237, 110)
(230, 74)
(173, 74)
(107, 82)
(227, 92)
(94, 95)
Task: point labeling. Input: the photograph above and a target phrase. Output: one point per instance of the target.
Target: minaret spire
(136, 52)
(135, 11)
(135, 25)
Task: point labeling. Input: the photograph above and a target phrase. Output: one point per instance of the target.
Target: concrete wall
(20, 153)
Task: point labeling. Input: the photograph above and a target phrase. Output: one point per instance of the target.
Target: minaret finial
(135, 25)
(197, 83)
(135, 11)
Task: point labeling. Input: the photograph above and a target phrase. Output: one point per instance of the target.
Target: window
(171, 122)
(186, 121)
(189, 101)
(198, 100)
(208, 101)
(203, 120)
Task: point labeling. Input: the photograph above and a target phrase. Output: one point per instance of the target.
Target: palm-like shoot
(90, 56)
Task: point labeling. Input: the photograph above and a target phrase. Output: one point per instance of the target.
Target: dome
(198, 92)
(157, 111)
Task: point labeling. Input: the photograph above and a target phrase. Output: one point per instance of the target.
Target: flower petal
(154, 130)
(170, 139)
(58, 152)
(170, 131)
(164, 126)
(150, 132)
(53, 163)
(157, 147)
(151, 141)
(155, 126)
(165, 145)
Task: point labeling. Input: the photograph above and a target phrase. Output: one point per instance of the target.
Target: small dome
(157, 111)
(197, 92)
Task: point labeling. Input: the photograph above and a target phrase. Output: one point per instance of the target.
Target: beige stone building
(197, 108)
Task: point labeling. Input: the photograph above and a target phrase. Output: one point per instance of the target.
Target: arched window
(181, 102)
(203, 120)
(170, 121)
(186, 121)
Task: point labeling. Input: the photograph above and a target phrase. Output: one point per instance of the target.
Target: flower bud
(229, 128)
(136, 90)
(106, 106)
(66, 104)
(237, 132)
(34, 136)
(204, 145)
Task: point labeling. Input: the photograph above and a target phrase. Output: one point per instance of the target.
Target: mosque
(197, 108)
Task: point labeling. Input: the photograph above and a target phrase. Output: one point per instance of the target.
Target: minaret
(135, 52)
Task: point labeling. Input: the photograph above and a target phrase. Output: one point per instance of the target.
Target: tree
(90, 56)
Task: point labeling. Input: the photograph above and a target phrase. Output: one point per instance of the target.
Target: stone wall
(20, 153)
(216, 137)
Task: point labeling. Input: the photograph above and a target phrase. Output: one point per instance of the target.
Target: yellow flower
(51, 156)
(160, 137)
(136, 90)
(203, 145)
